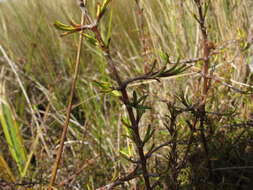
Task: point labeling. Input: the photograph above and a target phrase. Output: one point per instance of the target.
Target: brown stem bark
(207, 52)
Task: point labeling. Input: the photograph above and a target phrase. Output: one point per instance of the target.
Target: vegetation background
(37, 67)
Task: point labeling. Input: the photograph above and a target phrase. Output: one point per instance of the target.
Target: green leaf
(148, 134)
(104, 5)
(206, 8)
(101, 10)
(12, 132)
(126, 122)
(195, 16)
(109, 31)
(92, 40)
(60, 26)
(142, 99)
(102, 84)
(125, 153)
(164, 56)
(98, 10)
(134, 98)
(129, 132)
(142, 107)
(116, 93)
(105, 87)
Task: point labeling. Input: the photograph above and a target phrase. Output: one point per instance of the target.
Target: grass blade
(12, 132)
(6, 172)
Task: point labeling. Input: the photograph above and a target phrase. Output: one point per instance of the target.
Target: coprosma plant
(135, 104)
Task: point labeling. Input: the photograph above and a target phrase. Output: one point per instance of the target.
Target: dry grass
(45, 64)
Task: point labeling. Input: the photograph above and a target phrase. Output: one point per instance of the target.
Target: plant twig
(149, 154)
(206, 83)
(233, 168)
(121, 180)
(126, 101)
(73, 176)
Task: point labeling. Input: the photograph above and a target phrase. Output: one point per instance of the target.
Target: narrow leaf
(116, 93)
(91, 39)
(164, 56)
(6, 172)
(60, 26)
(12, 135)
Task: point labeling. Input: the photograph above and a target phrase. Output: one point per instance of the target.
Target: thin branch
(121, 180)
(206, 83)
(72, 177)
(233, 168)
(149, 154)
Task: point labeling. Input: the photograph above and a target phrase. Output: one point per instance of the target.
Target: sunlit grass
(45, 62)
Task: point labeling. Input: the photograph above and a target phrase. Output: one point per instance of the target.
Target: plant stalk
(207, 52)
(125, 99)
(69, 108)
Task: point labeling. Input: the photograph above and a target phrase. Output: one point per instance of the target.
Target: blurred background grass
(45, 63)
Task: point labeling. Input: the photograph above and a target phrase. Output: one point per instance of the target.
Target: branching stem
(207, 52)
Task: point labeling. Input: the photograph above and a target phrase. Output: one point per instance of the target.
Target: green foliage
(102, 8)
(91, 39)
(63, 27)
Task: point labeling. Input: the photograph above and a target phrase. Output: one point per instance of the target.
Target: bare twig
(149, 154)
(233, 168)
(72, 177)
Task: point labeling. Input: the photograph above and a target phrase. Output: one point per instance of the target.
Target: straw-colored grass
(45, 61)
